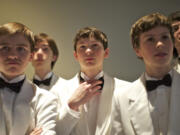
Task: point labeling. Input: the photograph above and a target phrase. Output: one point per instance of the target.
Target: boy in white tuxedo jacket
(45, 56)
(174, 19)
(85, 102)
(150, 106)
(23, 106)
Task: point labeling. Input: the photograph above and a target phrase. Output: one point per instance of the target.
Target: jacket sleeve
(67, 120)
(46, 112)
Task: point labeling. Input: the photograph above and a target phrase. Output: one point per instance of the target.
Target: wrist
(73, 106)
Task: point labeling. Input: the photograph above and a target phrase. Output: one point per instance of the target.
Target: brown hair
(14, 28)
(146, 23)
(88, 32)
(175, 16)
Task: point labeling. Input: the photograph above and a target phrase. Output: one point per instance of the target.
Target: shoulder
(126, 88)
(120, 83)
(41, 93)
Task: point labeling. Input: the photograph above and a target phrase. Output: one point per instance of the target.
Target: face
(15, 54)
(156, 48)
(176, 30)
(43, 56)
(90, 54)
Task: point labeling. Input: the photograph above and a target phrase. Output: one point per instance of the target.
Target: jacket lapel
(53, 81)
(2, 120)
(22, 111)
(174, 116)
(105, 104)
(139, 110)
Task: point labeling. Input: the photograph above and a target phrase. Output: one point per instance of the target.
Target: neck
(158, 73)
(42, 73)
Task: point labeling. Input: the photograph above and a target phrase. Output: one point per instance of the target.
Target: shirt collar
(48, 75)
(14, 80)
(86, 78)
(147, 77)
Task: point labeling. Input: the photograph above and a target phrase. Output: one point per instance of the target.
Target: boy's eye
(175, 28)
(21, 49)
(45, 49)
(36, 49)
(82, 47)
(150, 39)
(165, 37)
(94, 45)
(4, 48)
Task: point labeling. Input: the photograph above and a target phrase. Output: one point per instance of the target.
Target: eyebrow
(162, 33)
(3, 43)
(22, 44)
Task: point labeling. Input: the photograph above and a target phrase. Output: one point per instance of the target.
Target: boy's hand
(84, 93)
(36, 131)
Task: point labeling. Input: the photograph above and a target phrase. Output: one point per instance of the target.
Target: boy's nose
(88, 50)
(13, 54)
(39, 50)
(159, 44)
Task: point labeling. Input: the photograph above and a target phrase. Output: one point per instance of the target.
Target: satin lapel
(105, 104)
(138, 109)
(22, 110)
(174, 117)
(82, 126)
(53, 80)
(2, 120)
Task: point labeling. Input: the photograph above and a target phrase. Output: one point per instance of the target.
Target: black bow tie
(153, 84)
(16, 87)
(45, 82)
(100, 79)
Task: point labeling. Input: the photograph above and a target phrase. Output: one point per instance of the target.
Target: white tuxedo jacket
(33, 107)
(131, 115)
(71, 125)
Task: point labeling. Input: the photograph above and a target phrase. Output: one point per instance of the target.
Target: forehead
(15, 39)
(88, 40)
(156, 31)
(176, 23)
(42, 43)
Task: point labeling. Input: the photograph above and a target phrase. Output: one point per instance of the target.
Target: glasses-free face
(176, 31)
(43, 55)
(156, 48)
(90, 54)
(176, 26)
(15, 54)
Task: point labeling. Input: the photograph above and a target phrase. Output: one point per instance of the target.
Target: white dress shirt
(48, 75)
(159, 101)
(53, 80)
(7, 107)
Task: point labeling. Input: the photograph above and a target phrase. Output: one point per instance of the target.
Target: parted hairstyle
(91, 32)
(145, 24)
(51, 42)
(175, 16)
(13, 28)
(148, 22)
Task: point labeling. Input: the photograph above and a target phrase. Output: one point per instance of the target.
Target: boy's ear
(106, 55)
(54, 58)
(75, 55)
(138, 52)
